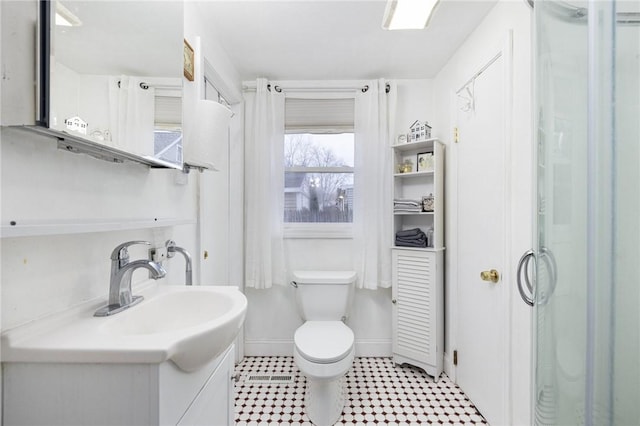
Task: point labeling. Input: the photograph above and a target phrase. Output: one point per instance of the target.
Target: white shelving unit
(417, 184)
(417, 293)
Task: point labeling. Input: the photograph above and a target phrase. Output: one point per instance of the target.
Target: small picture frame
(189, 62)
(424, 161)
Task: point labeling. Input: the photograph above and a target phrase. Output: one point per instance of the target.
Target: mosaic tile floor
(379, 392)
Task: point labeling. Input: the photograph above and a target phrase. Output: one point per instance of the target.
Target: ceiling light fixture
(408, 14)
(66, 18)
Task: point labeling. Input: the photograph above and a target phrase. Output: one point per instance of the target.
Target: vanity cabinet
(418, 272)
(119, 394)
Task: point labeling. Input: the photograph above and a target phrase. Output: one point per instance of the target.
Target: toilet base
(324, 400)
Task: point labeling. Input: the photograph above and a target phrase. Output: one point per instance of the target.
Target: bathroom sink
(188, 325)
(173, 311)
(201, 322)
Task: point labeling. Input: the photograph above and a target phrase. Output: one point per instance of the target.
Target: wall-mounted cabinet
(418, 255)
(116, 98)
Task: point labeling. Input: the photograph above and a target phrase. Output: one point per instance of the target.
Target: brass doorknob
(491, 275)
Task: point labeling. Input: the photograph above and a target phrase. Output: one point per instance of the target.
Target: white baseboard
(373, 347)
(268, 347)
(449, 368)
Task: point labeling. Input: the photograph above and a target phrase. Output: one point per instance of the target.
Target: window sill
(318, 230)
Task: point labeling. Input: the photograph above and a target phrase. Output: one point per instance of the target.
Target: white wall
(477, 50)
(272, 317)
(44, 275)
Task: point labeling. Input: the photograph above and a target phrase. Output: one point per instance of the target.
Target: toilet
(323, 345)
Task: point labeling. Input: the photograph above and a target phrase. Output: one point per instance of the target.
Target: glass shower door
(625, 334)
(587, 259)
(560, 307)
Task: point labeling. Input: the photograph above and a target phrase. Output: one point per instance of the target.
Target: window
(168, 125)
(318, 178)
(319, 147)
(213, 94)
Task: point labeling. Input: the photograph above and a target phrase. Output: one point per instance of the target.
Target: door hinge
(456, 135)
(455, 357)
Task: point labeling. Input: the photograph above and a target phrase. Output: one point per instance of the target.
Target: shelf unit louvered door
(418, 309)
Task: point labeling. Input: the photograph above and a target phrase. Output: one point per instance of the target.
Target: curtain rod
(296, 87)
(145, 86)
(363, 89)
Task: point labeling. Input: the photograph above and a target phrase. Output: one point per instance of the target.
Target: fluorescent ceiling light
(408, 14)
(66, 18)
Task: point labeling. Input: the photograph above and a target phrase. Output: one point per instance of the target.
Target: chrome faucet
(120, 297)
(172, 248)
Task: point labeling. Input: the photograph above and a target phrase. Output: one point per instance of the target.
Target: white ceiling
(336, 39)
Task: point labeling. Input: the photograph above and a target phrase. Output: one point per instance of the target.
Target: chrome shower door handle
(523, 275)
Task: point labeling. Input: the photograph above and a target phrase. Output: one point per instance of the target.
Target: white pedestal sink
(167, 360)
(189, 325)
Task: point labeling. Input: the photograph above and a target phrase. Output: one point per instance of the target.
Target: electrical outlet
(158, 254)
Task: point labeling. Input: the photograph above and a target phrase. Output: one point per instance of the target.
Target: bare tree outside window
(318, 180)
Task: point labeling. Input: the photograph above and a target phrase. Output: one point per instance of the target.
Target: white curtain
(131, 115)
(264, 187)
(374, 130)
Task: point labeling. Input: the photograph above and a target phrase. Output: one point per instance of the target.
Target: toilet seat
(323, 342)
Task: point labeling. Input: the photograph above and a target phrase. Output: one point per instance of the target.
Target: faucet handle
(120, 252)
(170, 245)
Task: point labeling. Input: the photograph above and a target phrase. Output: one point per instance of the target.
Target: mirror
(115, 75)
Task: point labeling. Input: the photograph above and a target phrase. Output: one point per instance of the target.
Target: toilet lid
(323, 342)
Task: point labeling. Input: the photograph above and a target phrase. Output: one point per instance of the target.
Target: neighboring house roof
(293, 180)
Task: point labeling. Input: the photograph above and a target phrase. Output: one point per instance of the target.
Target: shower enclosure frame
(576, 275)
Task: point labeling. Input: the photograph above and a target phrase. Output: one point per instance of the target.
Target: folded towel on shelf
(407, 209)
(409, 233)
(406, 200)
(408, 203)
(411, 243)
(406, 206)
(411, 238)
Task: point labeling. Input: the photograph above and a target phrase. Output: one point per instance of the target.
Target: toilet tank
(323, 295)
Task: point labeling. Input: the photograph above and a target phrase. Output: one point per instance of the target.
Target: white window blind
(168, 111)
(319, 115)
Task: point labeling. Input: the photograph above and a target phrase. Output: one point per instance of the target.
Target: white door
(481, 230)
(214, 210)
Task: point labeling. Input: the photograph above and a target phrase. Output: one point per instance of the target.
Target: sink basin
(201, 322)
(173, 311)
(188, 325)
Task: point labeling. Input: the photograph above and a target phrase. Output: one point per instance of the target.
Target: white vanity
(119, 394)
(167, 361)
